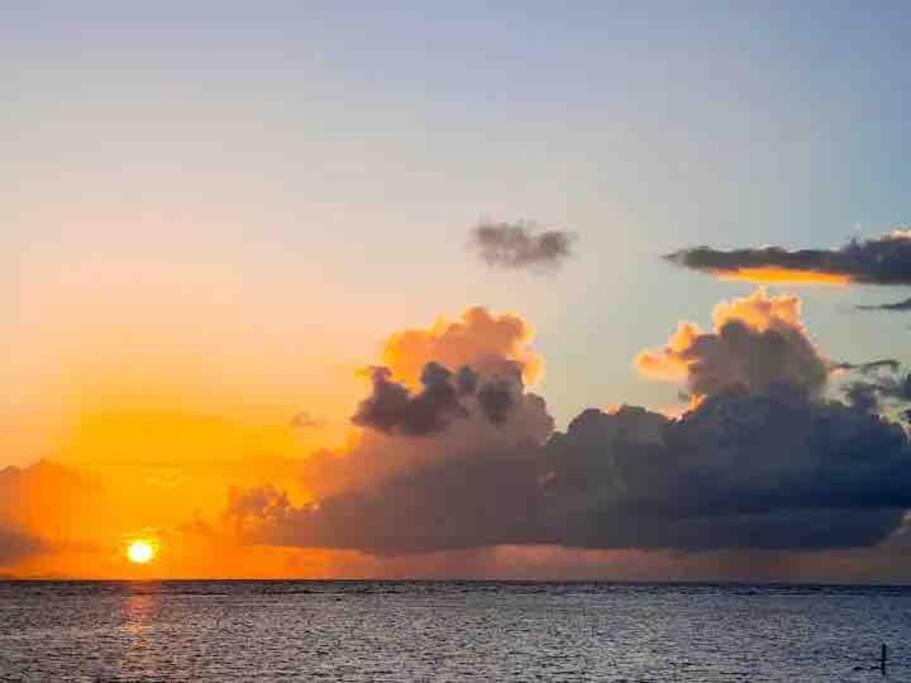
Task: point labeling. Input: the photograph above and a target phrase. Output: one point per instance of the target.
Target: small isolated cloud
(904, 305)
(304, 420)
(884, 260)
(521, 245)
(871, 366)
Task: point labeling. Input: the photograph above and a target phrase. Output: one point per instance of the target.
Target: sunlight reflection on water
(359, 631)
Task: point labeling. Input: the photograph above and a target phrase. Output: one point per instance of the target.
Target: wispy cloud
(904, 305)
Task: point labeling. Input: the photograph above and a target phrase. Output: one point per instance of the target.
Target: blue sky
(290, 157)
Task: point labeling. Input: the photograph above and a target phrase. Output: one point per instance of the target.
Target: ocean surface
(450, 631)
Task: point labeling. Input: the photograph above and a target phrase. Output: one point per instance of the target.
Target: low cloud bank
(762, 461)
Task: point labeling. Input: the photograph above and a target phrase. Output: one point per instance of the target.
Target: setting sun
(140, 551)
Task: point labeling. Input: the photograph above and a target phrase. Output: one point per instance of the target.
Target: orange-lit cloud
(883, 260)
(756, 341)
(495, 412)
(760, 311)
(478, 338)
(670, 364)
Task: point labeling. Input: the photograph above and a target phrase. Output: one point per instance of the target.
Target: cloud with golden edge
(883, 260)
(756, 341)
(781, 276)
(487, 342)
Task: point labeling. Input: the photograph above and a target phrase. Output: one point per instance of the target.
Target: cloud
(757, 471)
(444, 505)
(871, 366)
(756, 342)
(904, 305)
(883, 385)
(884, 260)
(761, 463)
(521, 245)
(743, 470)
(16, 546)
(391, 407)
(494, 345)
(441, 392)
(39, 507)
(445, 396)
(304, 420)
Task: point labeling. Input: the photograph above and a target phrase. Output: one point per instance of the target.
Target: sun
(141, 551)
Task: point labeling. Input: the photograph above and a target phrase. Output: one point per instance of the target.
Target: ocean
(450, 631)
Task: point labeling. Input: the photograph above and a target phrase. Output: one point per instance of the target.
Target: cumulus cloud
(392, 408)
(441, 392)
(444, 396)
(884, 260)
(762, 462)
(756, 342)
(521, 245)
(493, 345)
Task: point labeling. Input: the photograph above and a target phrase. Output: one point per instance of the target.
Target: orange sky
(151, 445)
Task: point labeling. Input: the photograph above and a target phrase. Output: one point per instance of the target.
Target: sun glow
(141, 551)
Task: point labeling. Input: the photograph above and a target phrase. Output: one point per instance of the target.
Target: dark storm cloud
(392, 408)
(904, 305)
(883, 260)
(453, 504)
(743, 470)
(520, 245)
(762, 461)
(882, 385)
(769, 470)
(496, 400)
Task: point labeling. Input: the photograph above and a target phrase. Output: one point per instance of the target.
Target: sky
(217, 220)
